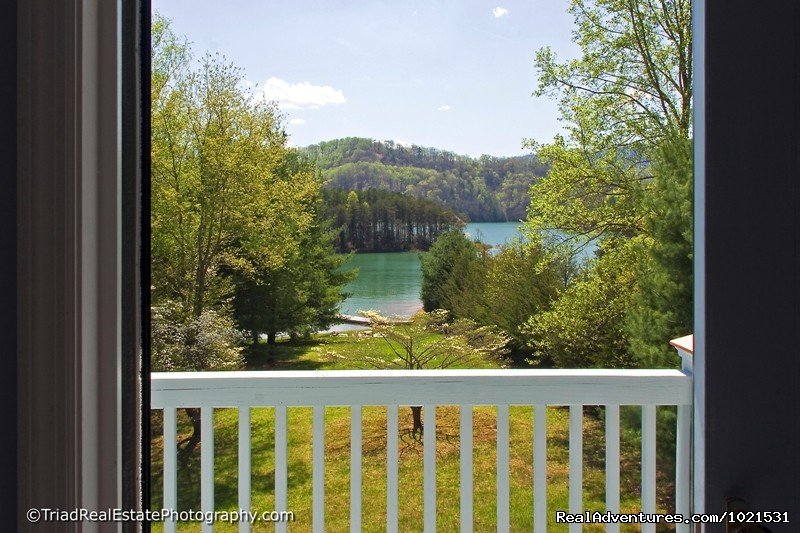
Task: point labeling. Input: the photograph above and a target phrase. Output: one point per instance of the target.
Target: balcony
(463, 388)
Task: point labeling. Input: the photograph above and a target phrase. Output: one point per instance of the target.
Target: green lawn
(337, 457)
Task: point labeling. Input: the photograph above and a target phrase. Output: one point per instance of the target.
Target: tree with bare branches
(430, 341)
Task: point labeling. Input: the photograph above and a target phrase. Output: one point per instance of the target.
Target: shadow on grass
(284, 355)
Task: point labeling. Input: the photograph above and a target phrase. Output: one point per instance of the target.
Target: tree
(630, 90)
(431, 340)
(452, 274)
(662, 306)
(483, 189)
(233, 211)
(624, 101)
(519, 284)
(376, 220)
(300, 297)
(219, 198)
(585, 326)
(626, 96)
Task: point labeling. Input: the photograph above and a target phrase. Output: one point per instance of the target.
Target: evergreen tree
(663, 305)
(452, 274)
(627, 95)
(302, 294)
(375, 220)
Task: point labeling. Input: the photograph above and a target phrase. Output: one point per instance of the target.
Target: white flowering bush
(192, 344)
(427, 341)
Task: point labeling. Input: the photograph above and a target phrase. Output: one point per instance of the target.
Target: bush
(181, 342)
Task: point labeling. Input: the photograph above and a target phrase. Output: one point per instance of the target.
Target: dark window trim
(8, 267)
(135, 295)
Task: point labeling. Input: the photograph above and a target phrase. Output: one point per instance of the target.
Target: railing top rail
(432, 373)
(404, 387)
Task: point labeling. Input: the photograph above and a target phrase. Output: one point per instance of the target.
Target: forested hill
(485, 189)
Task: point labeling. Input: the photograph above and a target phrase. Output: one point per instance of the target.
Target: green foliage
(622, 175)
(629, 90)
(585, 326)
(625, 97)
(219, 198)
(662, 306)
(300, 297)
(236, 215)
(483, 189)
(520, 283)
(452, 274)
(502, 289)
(381, 221)
(187, 343)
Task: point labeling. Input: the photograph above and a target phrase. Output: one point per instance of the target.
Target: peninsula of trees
(382, 221)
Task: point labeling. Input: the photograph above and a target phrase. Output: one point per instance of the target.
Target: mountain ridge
(484, 189)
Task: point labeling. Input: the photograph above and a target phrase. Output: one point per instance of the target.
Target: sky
(454, 75)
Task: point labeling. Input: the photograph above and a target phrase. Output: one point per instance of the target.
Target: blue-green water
(390, 282)
(387, 282)
(493, 233)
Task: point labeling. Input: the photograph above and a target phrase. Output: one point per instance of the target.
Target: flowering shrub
(191, 344)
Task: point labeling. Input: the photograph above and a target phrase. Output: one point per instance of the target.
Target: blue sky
(441, 73)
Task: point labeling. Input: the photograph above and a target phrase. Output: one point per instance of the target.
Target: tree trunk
(194, 415)
(271, 336)
(416, 411)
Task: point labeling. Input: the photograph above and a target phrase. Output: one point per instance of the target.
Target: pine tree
(663, 305)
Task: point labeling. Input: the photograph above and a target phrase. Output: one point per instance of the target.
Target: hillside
(485, 189)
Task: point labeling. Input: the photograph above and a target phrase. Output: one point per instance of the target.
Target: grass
(311, 355)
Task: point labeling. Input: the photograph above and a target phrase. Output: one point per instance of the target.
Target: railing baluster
(683, 464)
(503, 500)
(540, 468)
(207, 464)
(429, 467)
(466, 469)
(170, 465)
(612, 464)
(575, 463)
(648, 463)
(318, 470)
(355, 469)
(244, 465)
(391, 469)
(281, 466)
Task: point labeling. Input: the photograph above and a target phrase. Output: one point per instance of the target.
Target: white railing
(465, 388)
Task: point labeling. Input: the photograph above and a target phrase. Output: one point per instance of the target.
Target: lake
(390, 282)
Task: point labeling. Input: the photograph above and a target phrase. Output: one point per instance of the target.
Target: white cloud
(297, 121)
(301, 95)
(499, 12)
(445, 108)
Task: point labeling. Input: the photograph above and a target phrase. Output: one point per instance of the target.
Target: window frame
(83, 114)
